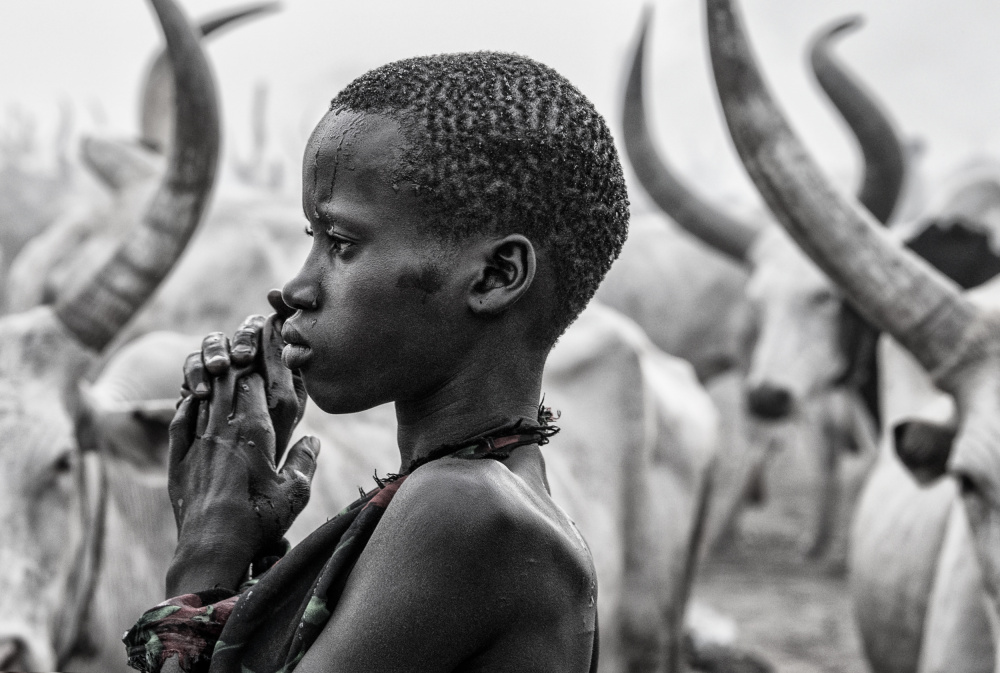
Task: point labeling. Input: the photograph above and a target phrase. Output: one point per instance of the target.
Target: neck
(486, 393)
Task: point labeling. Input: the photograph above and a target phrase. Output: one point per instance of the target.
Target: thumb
(182, 429)
(298, 470)
(302, 458)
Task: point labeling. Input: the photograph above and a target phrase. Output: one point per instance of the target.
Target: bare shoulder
(482, 506)
(472, 567)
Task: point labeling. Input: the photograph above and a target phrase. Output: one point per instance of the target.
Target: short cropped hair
(502, 144)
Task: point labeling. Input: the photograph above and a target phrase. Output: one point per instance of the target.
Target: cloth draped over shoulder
(270, 624)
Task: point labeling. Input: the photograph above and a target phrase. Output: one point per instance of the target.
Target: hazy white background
(935, 63)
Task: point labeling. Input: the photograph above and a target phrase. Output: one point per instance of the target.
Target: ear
(507, 271)
(119, 164)
(924, 447)
(134, 431)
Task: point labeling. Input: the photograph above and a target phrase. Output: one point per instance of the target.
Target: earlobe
(507, 272)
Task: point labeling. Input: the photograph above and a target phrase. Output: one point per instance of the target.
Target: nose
(769, 401)
(13, 655)
(301, 294)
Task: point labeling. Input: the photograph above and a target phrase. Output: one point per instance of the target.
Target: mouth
(296, 352)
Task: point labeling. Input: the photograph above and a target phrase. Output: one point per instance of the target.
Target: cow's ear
(958, 248)
(120, 164)
(135, 432)
(924, 447)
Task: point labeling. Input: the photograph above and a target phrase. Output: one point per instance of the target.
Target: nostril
(13, 655)
(769, 401)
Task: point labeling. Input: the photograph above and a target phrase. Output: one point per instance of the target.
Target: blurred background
(931, 62)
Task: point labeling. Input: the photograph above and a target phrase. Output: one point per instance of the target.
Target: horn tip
(842, 26)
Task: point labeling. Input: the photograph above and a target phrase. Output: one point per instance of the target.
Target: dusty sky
(935, 63)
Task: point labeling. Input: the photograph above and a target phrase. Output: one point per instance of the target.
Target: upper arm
(440, 580)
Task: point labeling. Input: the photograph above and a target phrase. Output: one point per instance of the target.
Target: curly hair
(499, 143)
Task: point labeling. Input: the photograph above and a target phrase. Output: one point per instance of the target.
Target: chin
(334, 399)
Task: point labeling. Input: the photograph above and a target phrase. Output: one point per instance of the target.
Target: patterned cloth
(272, 622)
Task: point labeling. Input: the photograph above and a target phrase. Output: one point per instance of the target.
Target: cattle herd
(868, 323)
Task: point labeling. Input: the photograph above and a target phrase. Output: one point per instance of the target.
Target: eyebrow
(327, 217)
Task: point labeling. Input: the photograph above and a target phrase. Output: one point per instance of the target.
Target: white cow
(801, 343)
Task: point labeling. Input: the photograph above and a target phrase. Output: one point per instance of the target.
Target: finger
(302, 458)
(201, 423)
(196, 379)
(250, 413)
(215, 353)
(301, 395)
(283, 310)
(282, 399)
(220, 409)
(299, 469)
(250, 400)
(244, 344)
(182, 430)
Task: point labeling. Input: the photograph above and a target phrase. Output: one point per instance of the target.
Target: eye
(966, 486)
(822, 297)
(64, 463)
(338, 243)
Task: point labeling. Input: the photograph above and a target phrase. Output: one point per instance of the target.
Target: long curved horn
(885, 162)
(157, 99)
(714, 227)
(891, 287)
(97, 312)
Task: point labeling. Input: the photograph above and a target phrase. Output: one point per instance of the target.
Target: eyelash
(338, 242)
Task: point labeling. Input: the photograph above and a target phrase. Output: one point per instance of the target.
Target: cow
(937, 573)
(810, 342)
(49, 519)
(800, 343)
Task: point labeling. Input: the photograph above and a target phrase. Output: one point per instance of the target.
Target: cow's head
(807, 340)
(953, 334)
(49, 481)
(130, 170)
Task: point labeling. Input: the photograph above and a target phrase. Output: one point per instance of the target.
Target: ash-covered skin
(428, 280)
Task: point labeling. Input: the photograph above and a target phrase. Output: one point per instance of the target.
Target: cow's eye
(966, 485)
(64, 462)
(821, 297)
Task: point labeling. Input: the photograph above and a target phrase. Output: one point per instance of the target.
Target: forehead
(780, 267)
(354, 154)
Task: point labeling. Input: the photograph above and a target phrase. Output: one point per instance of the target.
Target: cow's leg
(828, 493)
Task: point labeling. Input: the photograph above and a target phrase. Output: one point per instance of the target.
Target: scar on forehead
(427, 279)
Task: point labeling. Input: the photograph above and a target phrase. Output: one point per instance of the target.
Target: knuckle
(214, 339)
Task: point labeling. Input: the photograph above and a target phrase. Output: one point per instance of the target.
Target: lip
(296, 352)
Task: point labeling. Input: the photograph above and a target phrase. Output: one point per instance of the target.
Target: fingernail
(201, 389)
(216, 364)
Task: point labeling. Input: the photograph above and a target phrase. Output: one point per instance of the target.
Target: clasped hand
(231, 502)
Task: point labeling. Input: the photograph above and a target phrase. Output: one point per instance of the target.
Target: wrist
(201, 566)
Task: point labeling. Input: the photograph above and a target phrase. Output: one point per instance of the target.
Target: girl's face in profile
(379, 303)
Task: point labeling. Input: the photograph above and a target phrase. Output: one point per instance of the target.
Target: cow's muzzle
(769, 401)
